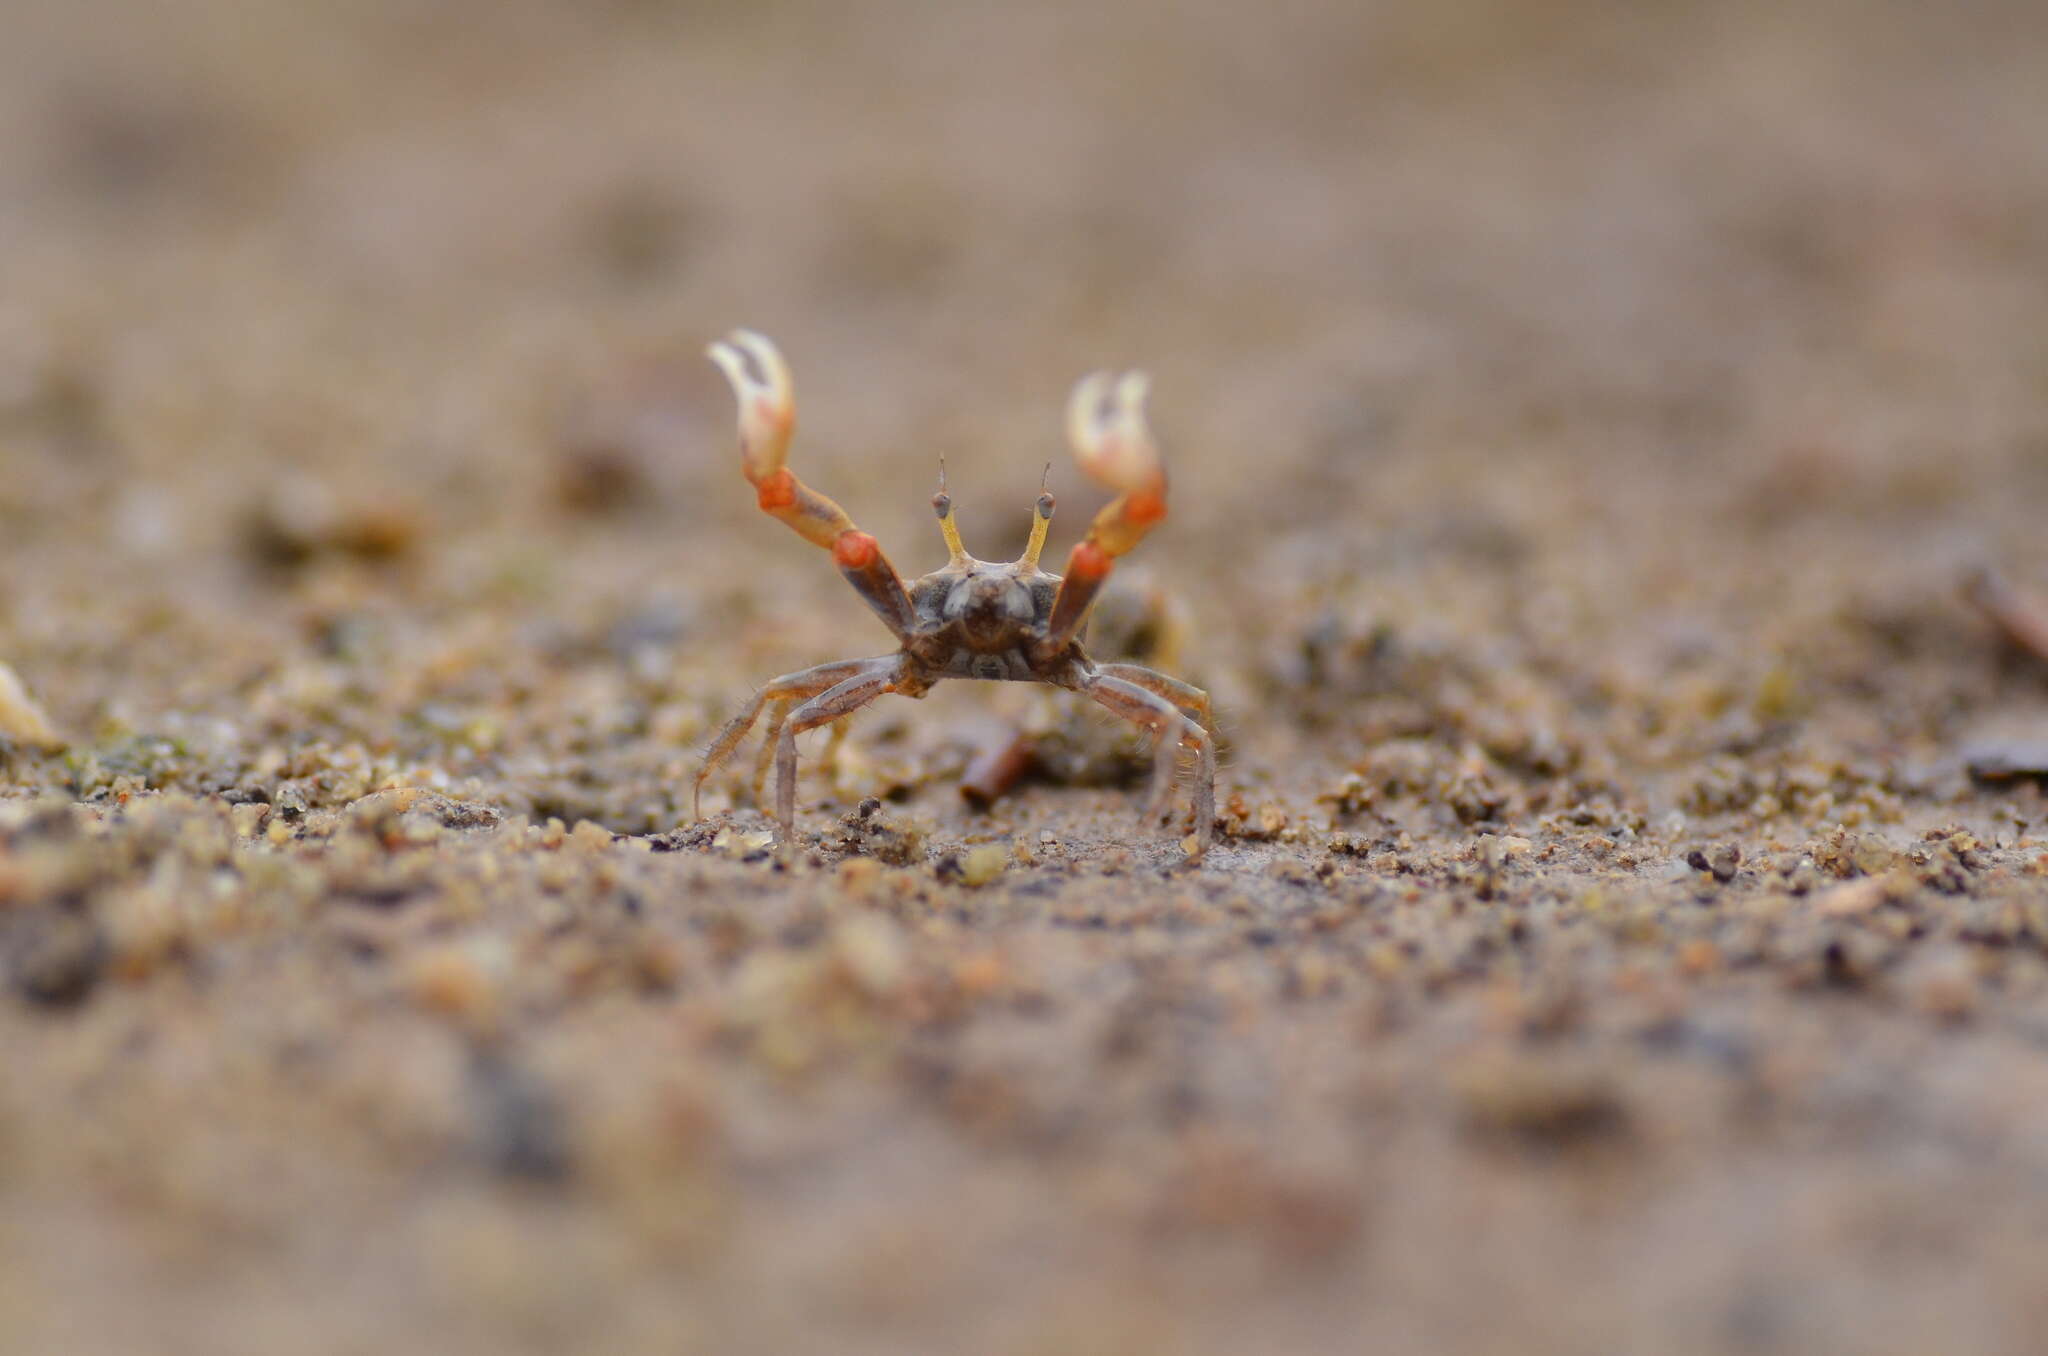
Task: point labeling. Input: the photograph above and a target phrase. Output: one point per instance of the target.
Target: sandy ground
(1582, 418)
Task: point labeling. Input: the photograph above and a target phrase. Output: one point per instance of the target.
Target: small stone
(742, 845)
(1719, 860)
(590, 837)
(21, 718)
(1856, 897)
(983, 864)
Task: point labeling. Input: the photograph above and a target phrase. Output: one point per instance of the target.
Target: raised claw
(1113, 443)
(767, 400)
(1106, 426)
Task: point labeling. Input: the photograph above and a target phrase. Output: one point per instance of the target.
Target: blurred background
(1586, 306)
(1596, 403)
(1612, 326)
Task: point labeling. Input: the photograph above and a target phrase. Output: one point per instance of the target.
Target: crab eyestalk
(1041, 523)
(942, 506)
(1113, 443)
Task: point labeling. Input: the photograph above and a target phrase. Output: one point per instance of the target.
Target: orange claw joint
(760, 381)
(1114, 445)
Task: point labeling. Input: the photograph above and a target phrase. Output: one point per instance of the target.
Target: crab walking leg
(780, 692)
(1111, 440)
(778, 711)
(764, 760)
(767, 420)
(1159, 715)
(843, 698)
(1186, 696)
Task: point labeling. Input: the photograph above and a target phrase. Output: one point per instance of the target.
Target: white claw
(767, 401)
(1107, 429)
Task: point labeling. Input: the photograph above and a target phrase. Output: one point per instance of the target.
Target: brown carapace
(972, 618)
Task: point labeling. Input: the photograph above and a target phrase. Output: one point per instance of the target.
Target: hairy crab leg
(767, 420)
(1186, 696)
(765, 759)
(1174, 729)
(780, 691)
(1113, 443)
(882, 676)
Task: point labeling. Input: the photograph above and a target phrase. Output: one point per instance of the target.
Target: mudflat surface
(1581, 419)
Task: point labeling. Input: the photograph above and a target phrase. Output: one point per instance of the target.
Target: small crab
(972, 619)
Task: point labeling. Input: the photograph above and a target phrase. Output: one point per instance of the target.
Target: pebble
(22, 718)
(1719, 860)
(984, 864)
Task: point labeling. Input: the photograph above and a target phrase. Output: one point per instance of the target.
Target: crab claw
(767, 400)
(1114, 445)
(767, 397)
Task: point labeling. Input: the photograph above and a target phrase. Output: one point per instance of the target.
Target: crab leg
(1189, 698)
(1114, 445)
(767, 420)
(765, 759)
(879, 677)
(781, 691)
(1163, 718)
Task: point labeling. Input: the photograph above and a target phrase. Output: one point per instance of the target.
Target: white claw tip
(1107, 428)
(767, 398)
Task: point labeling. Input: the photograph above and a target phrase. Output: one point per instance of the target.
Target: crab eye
(941, 503)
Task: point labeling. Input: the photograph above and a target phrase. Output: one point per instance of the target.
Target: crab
(1007, 622)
